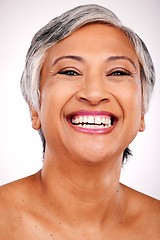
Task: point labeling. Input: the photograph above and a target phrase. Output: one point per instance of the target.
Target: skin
(77, 195)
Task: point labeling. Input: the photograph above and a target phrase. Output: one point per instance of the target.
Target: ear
(36, 123)
(142, 125)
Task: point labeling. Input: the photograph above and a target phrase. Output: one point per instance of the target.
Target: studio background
(20, 145)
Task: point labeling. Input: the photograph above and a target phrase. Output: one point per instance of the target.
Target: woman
(88, 82)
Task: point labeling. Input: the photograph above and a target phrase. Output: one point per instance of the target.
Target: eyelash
(117, 72)
(69, 72)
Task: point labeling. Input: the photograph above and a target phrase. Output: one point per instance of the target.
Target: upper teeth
(98, 120)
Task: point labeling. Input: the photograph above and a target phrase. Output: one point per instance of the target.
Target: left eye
(69, 72)
(119, 73)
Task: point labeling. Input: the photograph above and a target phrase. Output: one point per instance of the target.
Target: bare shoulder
(146, 202)
(146, 211)
(16, 190)
(14, 199)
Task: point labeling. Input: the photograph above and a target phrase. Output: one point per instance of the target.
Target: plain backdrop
(20, 145)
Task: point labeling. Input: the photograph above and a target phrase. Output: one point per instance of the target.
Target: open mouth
(93, 121)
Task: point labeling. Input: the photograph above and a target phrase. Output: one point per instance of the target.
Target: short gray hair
(64, 25)
(61, 27)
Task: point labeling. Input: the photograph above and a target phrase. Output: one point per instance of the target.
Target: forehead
(96, 39)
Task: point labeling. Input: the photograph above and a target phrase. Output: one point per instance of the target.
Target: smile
(93, 122)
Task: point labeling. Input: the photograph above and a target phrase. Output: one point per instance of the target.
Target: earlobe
(36, 123)
(142, 125)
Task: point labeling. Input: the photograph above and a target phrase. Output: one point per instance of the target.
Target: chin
(94, 157)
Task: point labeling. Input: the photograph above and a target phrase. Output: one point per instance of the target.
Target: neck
(82, 194)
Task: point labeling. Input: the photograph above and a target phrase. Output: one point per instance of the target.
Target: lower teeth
(92, 126)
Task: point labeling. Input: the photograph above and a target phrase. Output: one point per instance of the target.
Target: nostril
(93, 101)
(83, 99)
(104, 100)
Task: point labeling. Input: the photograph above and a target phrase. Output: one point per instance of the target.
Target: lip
(92, 113)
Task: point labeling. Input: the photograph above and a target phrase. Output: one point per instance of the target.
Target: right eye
(69, 72)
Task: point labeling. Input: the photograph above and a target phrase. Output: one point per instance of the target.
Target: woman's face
(91, 95)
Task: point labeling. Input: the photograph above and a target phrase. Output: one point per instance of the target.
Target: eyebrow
(109, 59)
(115, 58)
(77, 58)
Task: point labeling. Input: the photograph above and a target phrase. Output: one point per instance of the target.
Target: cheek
(131, 102)
(54, 97)
(51, 104)
(136, 99)
(130, 96)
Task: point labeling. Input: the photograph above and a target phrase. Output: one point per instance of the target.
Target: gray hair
(64, 25)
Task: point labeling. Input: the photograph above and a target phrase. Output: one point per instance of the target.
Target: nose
(93, 92)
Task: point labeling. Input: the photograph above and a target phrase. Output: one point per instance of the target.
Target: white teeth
(90, 119)
(85, 119)
(103, 120)
(81, 119)
(106, 121)
(92, 122)
(73, 120)
(76, 120)
(97, 120)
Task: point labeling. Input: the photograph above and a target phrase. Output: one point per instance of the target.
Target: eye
(119, 73)
(69, 72)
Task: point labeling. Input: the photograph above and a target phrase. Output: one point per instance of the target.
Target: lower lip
(93, 131)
